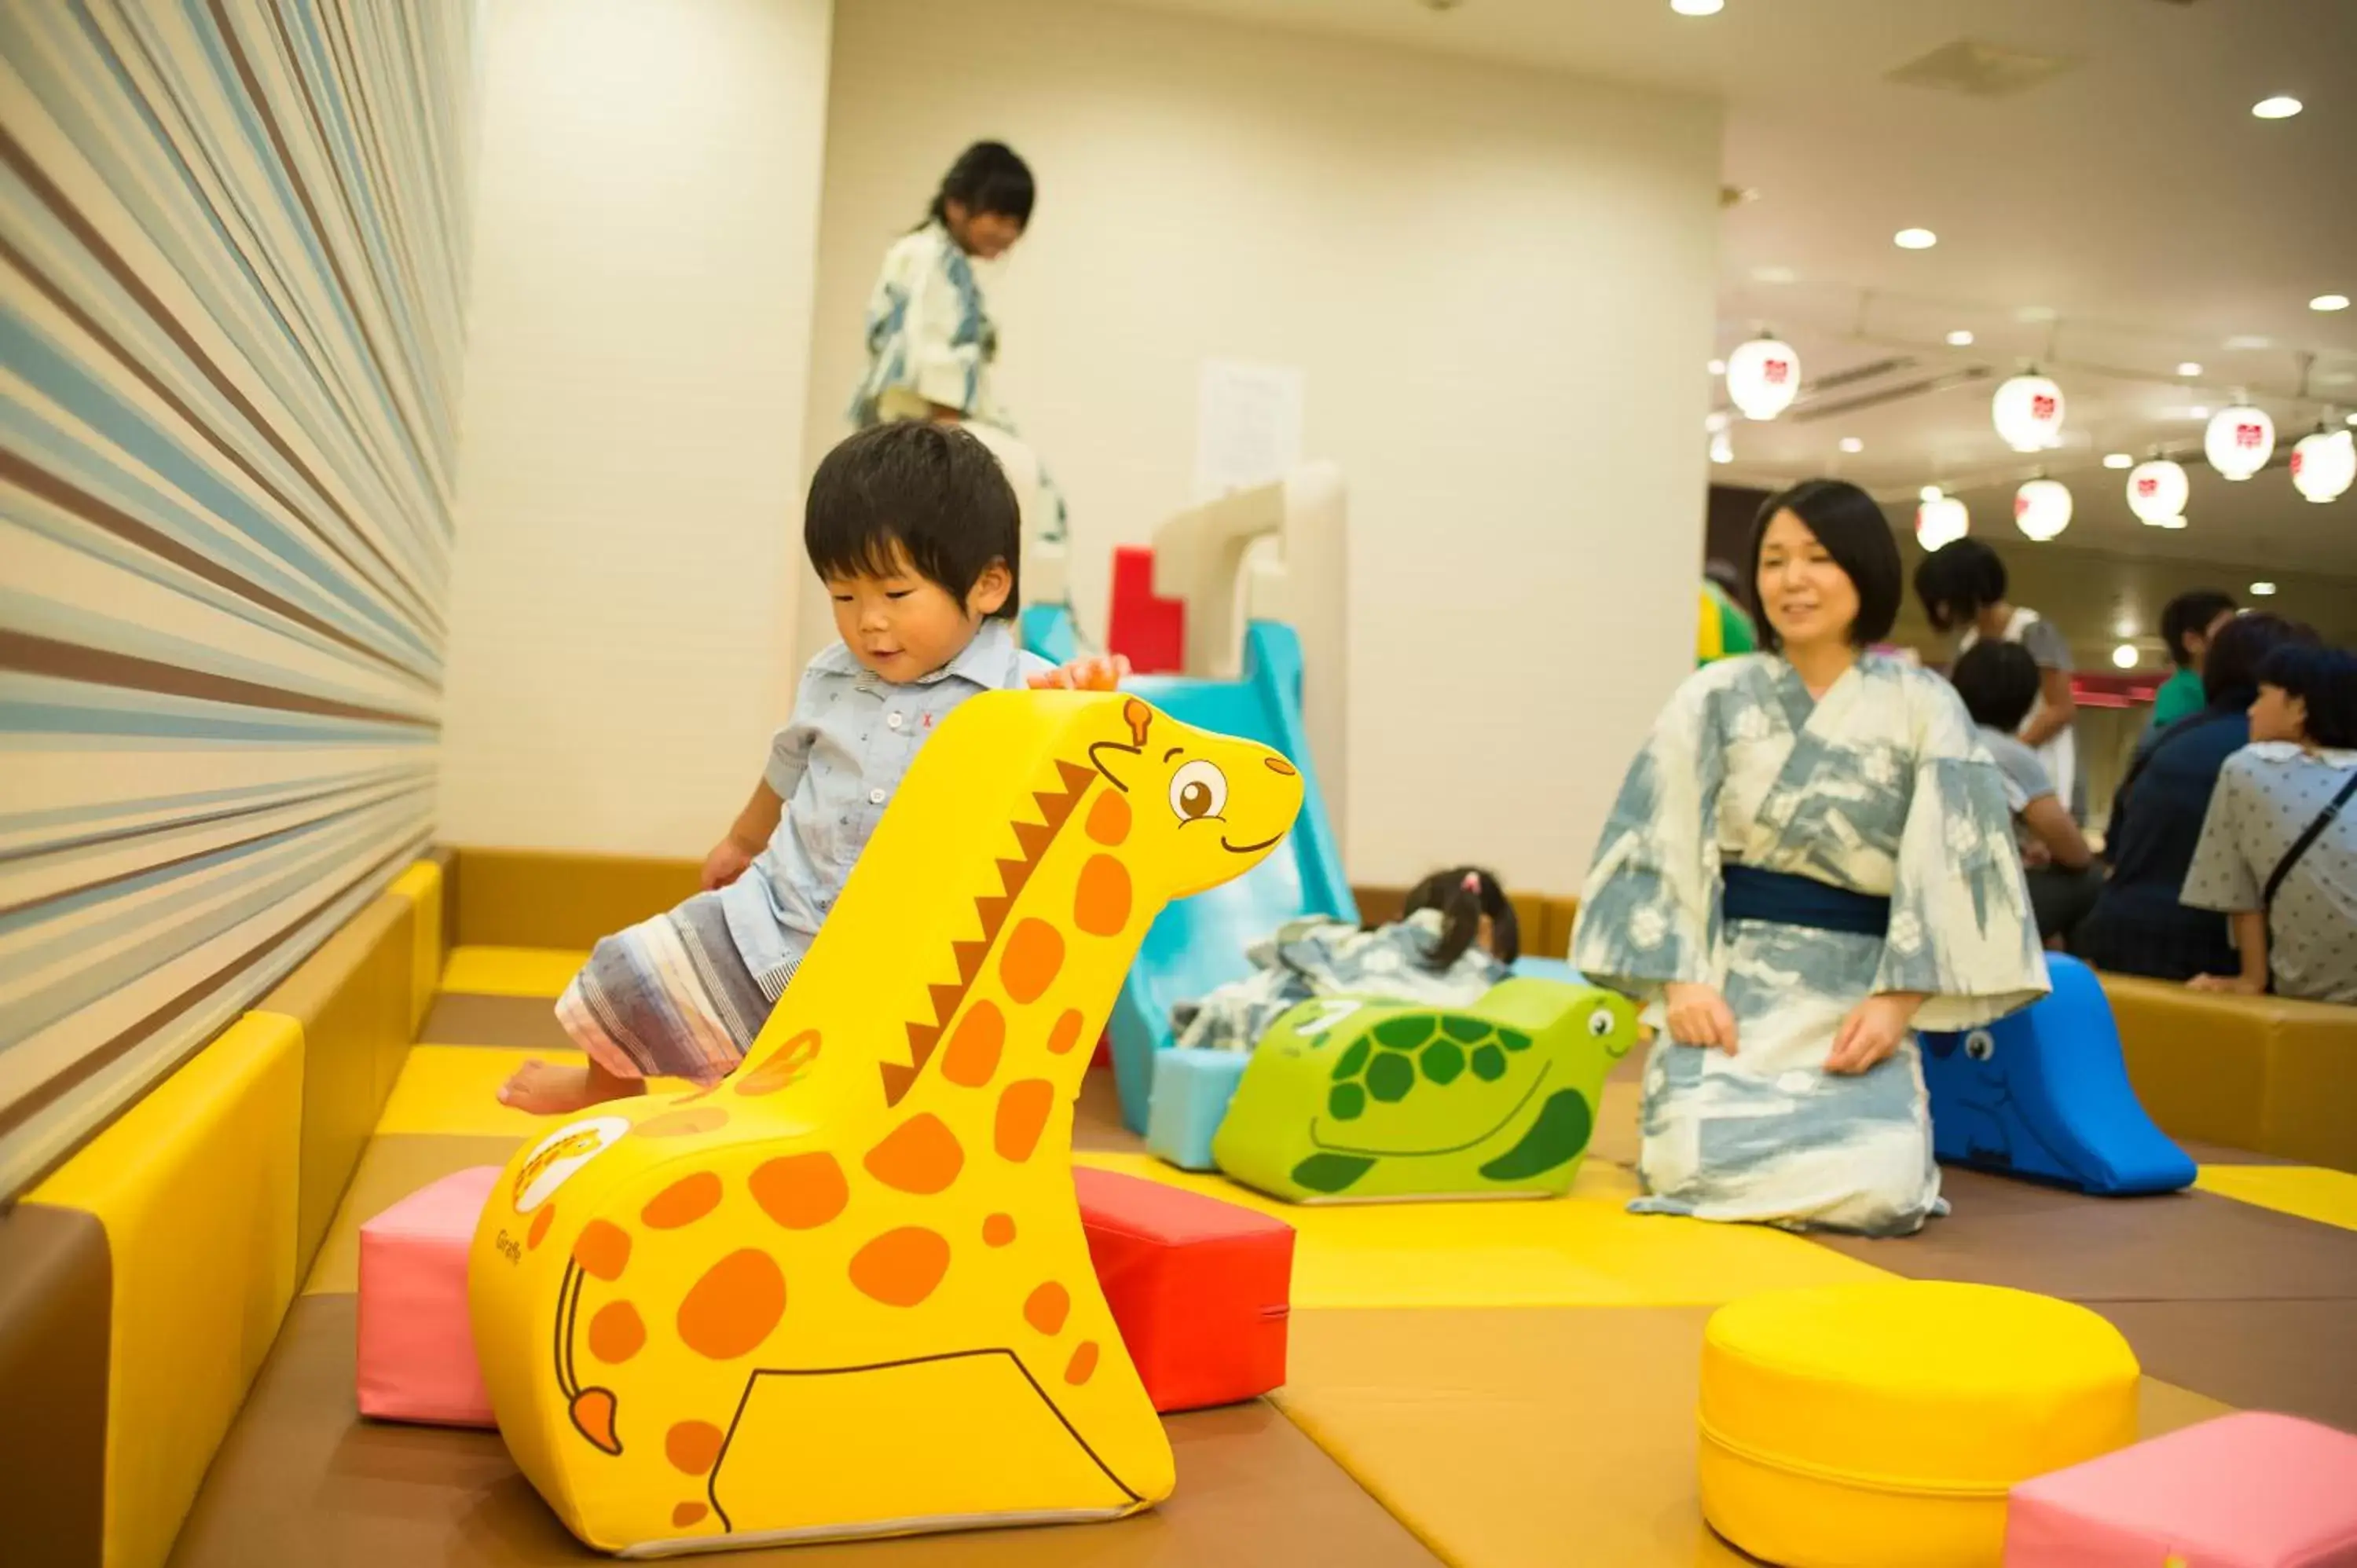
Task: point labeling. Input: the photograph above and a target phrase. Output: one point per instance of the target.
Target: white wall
(630, 491)
(1499, 283)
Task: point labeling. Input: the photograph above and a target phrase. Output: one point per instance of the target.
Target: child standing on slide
(913, 529)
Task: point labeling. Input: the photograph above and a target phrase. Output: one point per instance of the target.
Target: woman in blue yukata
(1810, 859)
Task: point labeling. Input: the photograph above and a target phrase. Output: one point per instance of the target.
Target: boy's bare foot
(541, 1089)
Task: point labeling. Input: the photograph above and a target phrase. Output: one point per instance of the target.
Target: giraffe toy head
(845, 1292)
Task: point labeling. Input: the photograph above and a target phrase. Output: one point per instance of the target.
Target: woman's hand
(2229, 984)
(1872, 1031)
(1096, 672)
(1699, 1015)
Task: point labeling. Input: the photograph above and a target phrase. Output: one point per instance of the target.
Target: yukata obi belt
(1747, 893)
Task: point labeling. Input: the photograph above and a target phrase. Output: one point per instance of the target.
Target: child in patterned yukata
(913, 529)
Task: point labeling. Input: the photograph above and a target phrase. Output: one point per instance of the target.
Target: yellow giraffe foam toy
(845, 1292)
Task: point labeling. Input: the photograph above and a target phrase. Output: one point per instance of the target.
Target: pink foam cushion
(2247, 1490)
(416, 1353)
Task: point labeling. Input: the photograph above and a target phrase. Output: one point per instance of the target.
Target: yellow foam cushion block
(512, 971)
(195, 1186)
(1885, 1422)
(421, 885)
(1536, 1437)
(2329, 1198)
(454, 1090)
(1584, 1249)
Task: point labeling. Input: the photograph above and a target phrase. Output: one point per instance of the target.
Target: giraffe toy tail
(593, 1414)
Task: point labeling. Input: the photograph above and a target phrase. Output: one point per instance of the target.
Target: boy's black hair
(1957, 581)
(2188, 613)
(925, 491)
(2323, 678)
(1463, 895)
(2230, 675)
(987, 178)
(1998, 682)
(1854, 532)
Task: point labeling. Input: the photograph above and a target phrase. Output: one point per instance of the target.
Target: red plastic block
(1200, 1288)
(1151, 632)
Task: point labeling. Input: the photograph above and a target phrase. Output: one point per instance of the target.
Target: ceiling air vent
(1981, 71)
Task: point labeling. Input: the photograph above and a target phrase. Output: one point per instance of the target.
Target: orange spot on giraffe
(540, 1224)
(616, 1334)
(1101, 905)
(1066, 1034)
(686, 1514)
(1108, 821)
(1048, 1307)
(1083, 1364)
(785, 1067)
(900, 1267)
(1023, 1109)
(684, 1202)
(684, 1123)
(692, 1446)
(1281, 767)
(1030, 959)
(733, 1308)
(920, 1155)
(593, 1416)
(800, 1192)
(972, 1055)
(998, 1230)
(602, 1249)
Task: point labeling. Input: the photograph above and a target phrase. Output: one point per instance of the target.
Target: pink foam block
(2247, 1490)
(416, 1348)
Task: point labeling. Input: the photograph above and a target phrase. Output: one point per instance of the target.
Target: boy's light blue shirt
(836, 765)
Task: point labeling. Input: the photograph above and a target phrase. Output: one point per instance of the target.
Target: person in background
(2139, 926)
(1962, 587)
(2188, 622)
(2277, 839)
(1999, 684)
(1725, 628)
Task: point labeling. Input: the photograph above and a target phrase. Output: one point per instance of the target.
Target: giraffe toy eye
(1198, 790)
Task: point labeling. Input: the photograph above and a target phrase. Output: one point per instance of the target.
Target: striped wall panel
(233, 244)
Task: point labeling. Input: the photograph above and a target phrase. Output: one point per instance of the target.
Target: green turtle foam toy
(1354, 1098)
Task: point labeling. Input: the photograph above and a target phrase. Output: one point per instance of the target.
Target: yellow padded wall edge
(2312, 1085)
(196, 1189)
(421, 885)
(2199, 1061)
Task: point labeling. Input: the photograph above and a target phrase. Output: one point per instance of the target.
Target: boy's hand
(1097, 672)
(726, 864)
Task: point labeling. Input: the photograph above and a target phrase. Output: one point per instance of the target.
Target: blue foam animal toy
(2045, 1095)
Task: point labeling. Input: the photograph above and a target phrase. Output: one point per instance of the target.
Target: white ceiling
(2131, 194)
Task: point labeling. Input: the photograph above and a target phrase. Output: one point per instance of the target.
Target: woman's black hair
(919, 489)
(1998, 682)
(987, 178)
(1957, 581)
(2323, 678)
(2188, 613)
(2229, 674)
(1463, 895)
(1854, 532)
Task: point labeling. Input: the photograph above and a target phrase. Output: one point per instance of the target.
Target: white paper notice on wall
(1247, 426)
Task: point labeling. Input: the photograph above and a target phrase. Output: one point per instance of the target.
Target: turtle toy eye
(1600, 1023)
(1980, 1045)
(1198, 790)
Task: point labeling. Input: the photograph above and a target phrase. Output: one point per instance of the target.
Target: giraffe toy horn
(1140, 718)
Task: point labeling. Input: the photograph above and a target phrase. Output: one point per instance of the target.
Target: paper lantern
(2239, 441)
(2041, 508)
(1763, 376)
(2027, 412)
(1941, 520)
(2323, 465)
(2158, 491)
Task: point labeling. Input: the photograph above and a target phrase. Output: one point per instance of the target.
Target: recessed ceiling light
(1719, 367)
(1852, 444)
(1914, 239)
(2247, 342)
(2280, 107)
(1929, 493)
(1772, 275)
(2351, 420)
(2329, 302)
(2118, 460)
(1960, 339)
(2188, 369)
(2125, 656)
(2263, 590)
(1711, 8)
(1722, 449)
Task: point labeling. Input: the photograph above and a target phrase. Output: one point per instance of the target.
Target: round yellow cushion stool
(1880, 1426)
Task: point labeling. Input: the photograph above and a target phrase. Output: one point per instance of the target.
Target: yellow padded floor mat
(2311, 1192)
(512, 971)
(1580, 1250)
(1529, 1438)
